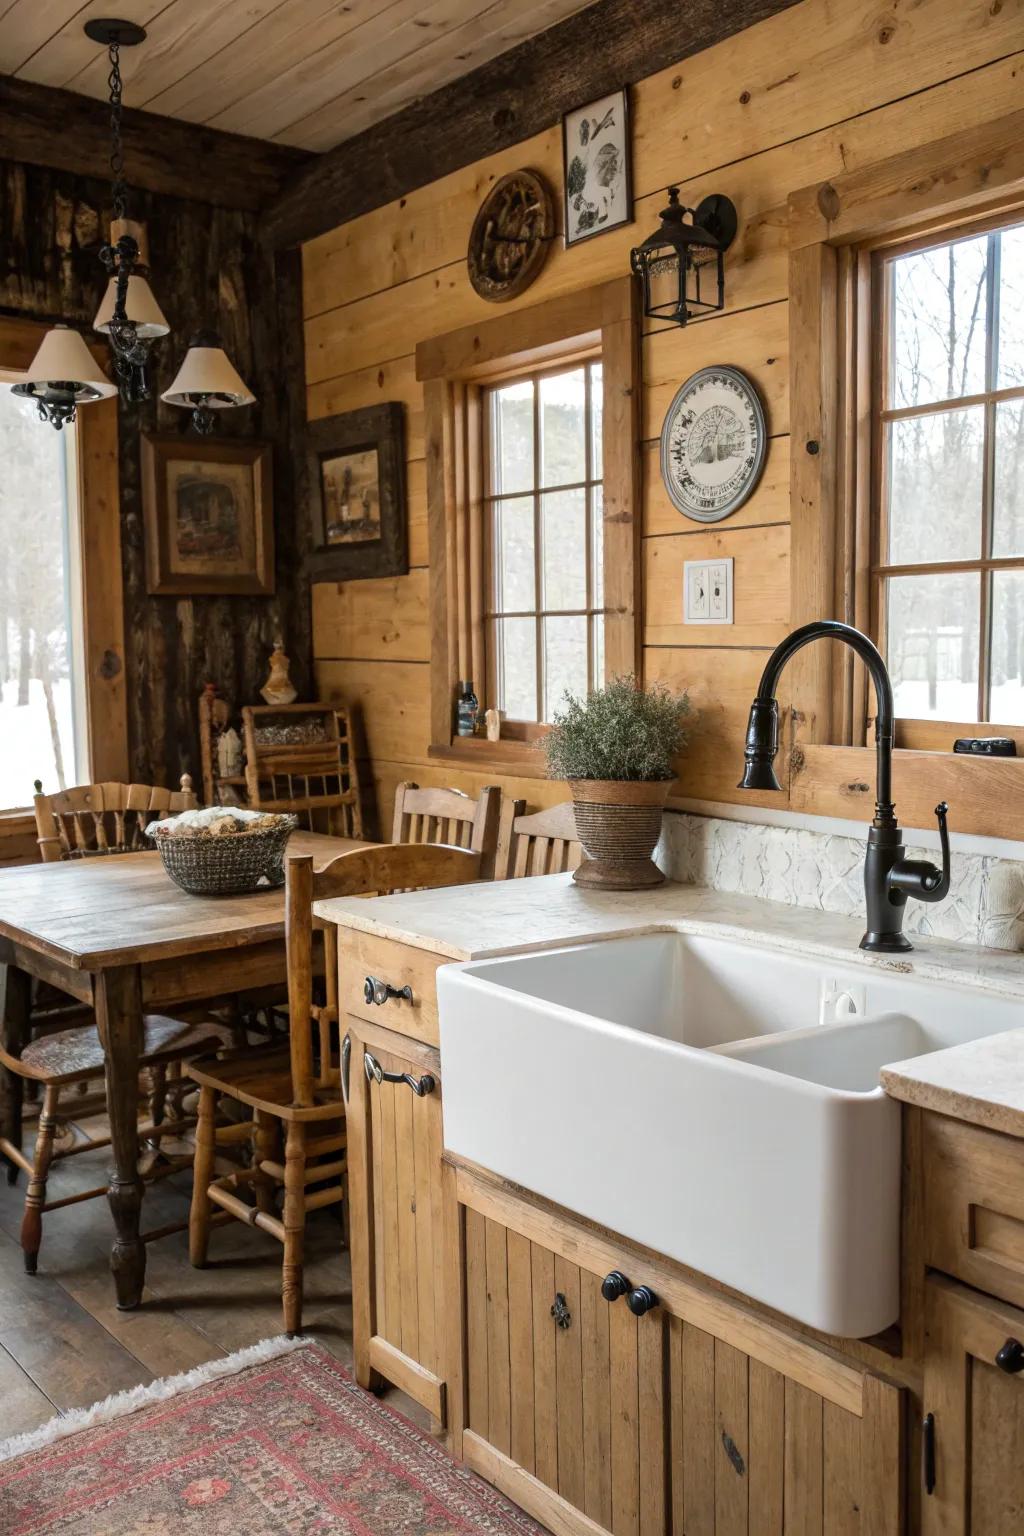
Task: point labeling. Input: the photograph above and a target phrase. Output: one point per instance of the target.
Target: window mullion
(538, 557)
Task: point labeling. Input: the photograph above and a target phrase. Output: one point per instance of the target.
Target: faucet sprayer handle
(919, 877)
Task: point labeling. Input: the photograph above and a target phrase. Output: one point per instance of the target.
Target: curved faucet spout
(762, 742)
(888, 877)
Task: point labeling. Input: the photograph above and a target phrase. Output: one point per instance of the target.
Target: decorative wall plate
(511, 235)
(713, 444)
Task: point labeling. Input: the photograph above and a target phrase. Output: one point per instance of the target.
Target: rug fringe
(158, 1391)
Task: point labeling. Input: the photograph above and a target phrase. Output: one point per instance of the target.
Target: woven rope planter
(618, 824)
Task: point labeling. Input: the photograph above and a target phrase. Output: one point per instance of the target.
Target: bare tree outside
(954, 479)
(36, 659)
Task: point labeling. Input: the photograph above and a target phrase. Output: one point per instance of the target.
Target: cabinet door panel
(397, 1220)
(558, 1380)
(978, 1413)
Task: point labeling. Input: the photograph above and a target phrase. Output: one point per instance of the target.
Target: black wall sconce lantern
(682, 264)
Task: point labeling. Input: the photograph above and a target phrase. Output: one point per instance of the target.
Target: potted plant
(616, 749)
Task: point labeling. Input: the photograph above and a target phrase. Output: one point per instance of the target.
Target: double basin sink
(713, 1099)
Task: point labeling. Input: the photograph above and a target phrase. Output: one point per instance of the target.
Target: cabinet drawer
(400, 965)
(974, 1206)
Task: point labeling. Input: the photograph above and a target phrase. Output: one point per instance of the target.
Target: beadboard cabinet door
(974, 1395)
(563, 1385)
(394, 1149)
(699, 1418)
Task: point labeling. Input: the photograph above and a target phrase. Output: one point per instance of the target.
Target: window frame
(976, 173)
(456, 369)
(928, 728)
(99, 545)
(513, 727)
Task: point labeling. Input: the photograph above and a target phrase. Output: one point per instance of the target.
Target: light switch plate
(707, 591)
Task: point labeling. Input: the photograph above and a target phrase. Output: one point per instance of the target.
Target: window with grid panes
(543, 590)
(948, 560)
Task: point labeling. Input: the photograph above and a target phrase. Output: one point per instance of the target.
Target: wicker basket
(228, 865)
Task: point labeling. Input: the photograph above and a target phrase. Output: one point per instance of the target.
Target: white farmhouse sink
(680, 1090)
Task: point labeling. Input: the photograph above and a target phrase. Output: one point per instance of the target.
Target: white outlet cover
(707, 591)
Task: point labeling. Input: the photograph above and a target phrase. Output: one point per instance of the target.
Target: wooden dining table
(117, 934)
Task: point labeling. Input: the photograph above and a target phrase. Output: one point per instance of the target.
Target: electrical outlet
(707, 591)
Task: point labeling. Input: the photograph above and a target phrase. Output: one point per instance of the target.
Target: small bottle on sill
(467, 710)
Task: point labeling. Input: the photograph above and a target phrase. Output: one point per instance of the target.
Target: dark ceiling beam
(514, 96)
(40, 125)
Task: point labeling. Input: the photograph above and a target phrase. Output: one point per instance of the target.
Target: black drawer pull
(615, 1285)
(928, 1453)
(560, 1311)
(1011, 1357)
(641, 1300)
(377, 992)
(375, 1073)
(346, 1063)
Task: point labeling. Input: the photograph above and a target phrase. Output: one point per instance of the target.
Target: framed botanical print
(208, 514)
(597, 172)
(357, 490)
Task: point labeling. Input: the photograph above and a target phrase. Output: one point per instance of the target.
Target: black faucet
(889, 878)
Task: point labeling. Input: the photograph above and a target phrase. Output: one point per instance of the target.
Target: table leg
(119, 1016)
(15, 1007)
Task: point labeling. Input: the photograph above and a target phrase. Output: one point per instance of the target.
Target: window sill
(517, 758)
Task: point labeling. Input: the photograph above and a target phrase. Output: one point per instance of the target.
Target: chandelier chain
(120, 186)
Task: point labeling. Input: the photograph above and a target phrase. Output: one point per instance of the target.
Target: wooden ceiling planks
(308, 73)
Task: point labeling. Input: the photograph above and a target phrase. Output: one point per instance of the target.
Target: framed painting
(357, 490)
(597, 173)
(208, 515)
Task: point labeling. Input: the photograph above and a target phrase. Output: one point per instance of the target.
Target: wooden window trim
(453, 369)
(834, 227)
(99, 501)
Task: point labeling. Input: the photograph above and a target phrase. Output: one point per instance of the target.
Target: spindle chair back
(538, 842)
(95, 819)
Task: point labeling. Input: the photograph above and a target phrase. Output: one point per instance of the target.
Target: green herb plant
(621, 732)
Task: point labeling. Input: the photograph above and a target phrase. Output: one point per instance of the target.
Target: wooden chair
(541, 843)
(295, 1094)
(449, 816)
(312, 774)
(93, 820)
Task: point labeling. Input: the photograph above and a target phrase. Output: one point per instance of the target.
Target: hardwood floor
(63, 1343)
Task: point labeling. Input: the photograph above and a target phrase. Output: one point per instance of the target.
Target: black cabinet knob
(641, 1300)
(614, 1285)
(1011, 1357)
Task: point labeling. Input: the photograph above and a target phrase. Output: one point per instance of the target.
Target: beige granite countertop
(982, 1081)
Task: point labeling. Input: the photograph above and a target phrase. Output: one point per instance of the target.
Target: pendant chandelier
(62, 376)
(129, 314)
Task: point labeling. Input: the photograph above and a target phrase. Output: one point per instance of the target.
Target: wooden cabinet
(698, 1418)
(396, 1216)
(974, 1206)
(977, 1413)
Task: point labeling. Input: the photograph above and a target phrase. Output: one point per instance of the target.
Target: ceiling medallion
(511, 236)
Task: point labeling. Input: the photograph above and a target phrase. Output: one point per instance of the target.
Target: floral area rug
(286, 1445)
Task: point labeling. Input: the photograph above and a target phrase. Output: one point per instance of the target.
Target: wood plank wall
(816, 90)
(209, 271)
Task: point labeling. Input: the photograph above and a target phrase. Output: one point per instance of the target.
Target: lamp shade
(63, 358)
(208, 377)
(140, 307)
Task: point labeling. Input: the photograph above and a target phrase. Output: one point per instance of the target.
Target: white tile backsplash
(825, 870)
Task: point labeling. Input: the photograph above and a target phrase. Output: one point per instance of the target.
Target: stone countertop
(981, 1081)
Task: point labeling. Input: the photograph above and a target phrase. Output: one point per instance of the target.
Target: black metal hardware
(560, 1311)
(889, 878)
(641, 1300)
(1011, 1357)
(379, 992)
(375, 1073)
(346, 1063)
(615, 1285)
(986, 746)
(928, 1452)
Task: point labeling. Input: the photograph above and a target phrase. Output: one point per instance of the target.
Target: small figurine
(492, 724)
(229, 754)
(278, 687)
